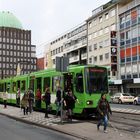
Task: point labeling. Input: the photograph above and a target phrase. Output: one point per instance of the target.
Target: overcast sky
(49, 18)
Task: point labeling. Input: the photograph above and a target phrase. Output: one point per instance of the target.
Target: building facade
(102, 39)
(15, 47)
(129, 41)
(72, 44)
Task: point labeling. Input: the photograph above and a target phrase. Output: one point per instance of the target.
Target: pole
(62, 90)
(61, 105)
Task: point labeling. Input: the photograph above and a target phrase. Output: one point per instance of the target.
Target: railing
(129, 6)
(74, 59)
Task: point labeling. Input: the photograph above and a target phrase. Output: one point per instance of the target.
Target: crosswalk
(125, 110)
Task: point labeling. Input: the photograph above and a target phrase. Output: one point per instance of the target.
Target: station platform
(77, 128)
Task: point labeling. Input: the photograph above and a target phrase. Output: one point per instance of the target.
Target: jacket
(104, 108)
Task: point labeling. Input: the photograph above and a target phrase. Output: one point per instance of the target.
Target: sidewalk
(79, 129)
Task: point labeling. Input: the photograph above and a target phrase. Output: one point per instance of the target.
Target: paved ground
(83, 130)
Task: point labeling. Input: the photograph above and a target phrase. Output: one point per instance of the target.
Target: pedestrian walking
(5, 97)
(58, 101)
(25, 103)
(31, 100)
(104, 110)
(47, 100)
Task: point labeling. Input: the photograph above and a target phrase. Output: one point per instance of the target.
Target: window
(101, 44)
(107, 56)
(79, 83)
(128, 35)
(100, 19)
(90, 60)
(101, 57)
(90, 24)
(94, 22)
(122, 36)
(106, 16)
(90, 48)
(127, 18)
(134, 33)
(122, 20)
(95, 46)
(23, 85)
(46, 83)
(112, 13)
(95, 59)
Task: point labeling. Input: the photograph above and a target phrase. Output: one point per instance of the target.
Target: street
(135, 107)
(14, 130)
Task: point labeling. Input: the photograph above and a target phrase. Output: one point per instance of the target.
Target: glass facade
(129, 23)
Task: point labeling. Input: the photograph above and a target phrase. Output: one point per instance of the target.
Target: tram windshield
(96, 80)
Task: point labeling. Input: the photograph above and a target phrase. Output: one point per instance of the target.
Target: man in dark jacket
(104, 110)
(58, 100)
(47, 99)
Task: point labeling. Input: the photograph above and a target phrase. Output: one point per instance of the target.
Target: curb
(43, 126)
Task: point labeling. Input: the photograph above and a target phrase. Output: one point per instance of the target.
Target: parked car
(122, 98)
(137, 100)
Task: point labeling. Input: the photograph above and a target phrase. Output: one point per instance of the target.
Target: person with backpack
(104, 110)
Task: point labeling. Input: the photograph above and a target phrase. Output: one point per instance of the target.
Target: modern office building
(129, 41)
(15, 47)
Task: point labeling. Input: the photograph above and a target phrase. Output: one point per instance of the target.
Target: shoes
(105, 131)
(46, 117)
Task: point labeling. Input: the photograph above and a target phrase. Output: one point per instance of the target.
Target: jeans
(103, 121)
(58, 108)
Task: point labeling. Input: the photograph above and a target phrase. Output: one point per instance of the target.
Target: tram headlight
(89, 102)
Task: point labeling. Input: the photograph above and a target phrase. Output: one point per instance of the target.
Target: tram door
(68, 82)
(38, 83)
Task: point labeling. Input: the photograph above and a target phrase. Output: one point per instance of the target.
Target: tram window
(79, 82)
(22, 85)
(39, 82)
(1, 88)
(46, 83)
(55, 83)
(8, 87)
(14, 87)
(32, 84)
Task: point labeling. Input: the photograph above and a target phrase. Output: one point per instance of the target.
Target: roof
(7, 19)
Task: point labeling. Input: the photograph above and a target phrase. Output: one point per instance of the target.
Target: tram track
(121, 121)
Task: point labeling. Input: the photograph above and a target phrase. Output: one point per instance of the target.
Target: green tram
(86, 82)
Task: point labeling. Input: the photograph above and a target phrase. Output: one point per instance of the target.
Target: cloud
(49, 18)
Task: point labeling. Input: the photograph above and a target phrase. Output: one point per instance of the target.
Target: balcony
(130, 5)
(84, 56)
(74, 59)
